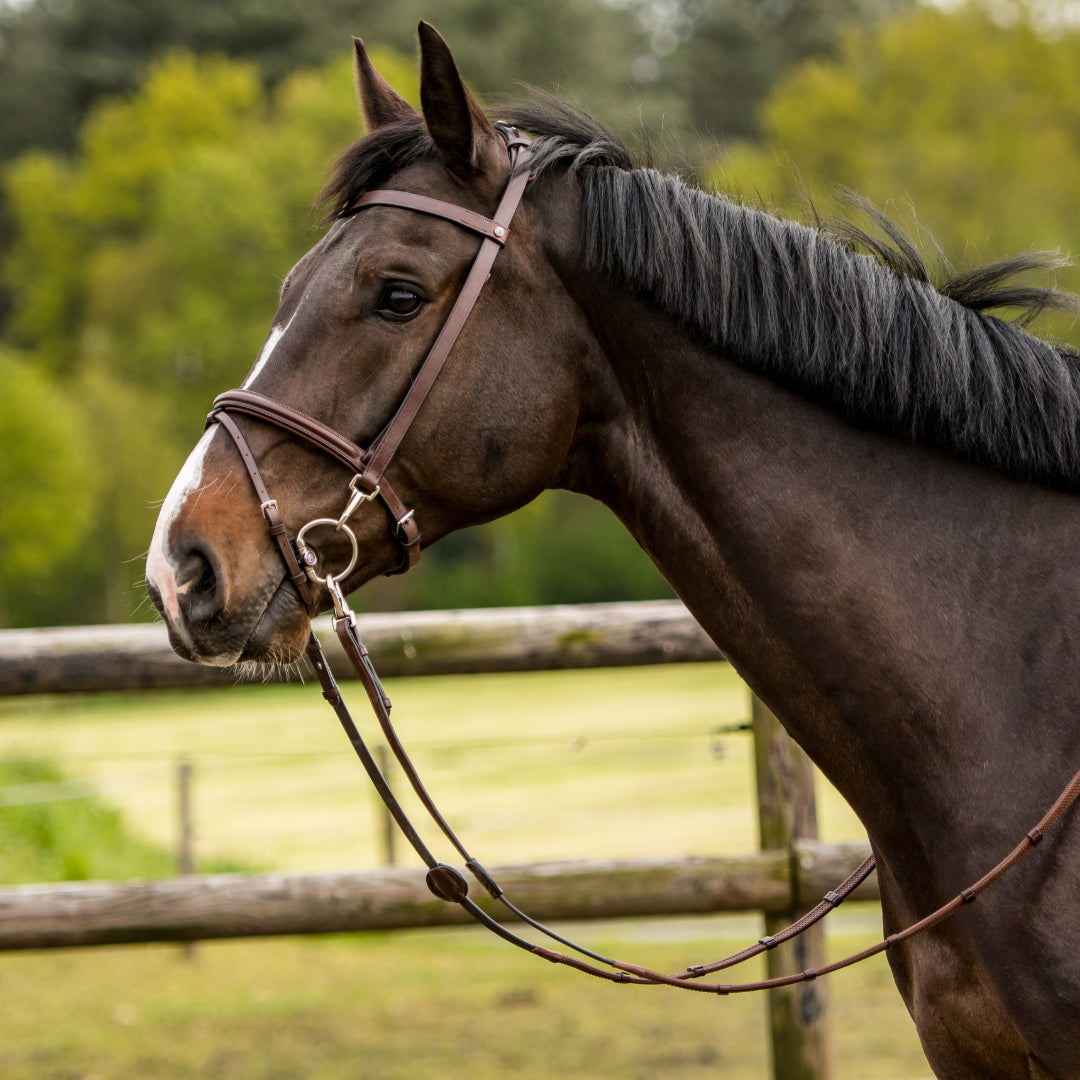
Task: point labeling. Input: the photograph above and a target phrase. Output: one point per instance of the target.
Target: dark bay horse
(862, 487)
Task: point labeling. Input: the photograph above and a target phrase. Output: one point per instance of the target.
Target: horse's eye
(399, 302)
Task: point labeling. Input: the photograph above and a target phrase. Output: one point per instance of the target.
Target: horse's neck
(889, 603)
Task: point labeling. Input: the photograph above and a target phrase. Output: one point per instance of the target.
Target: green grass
(532, 766)
(452, 1005)
(54, 830)
(551, 765)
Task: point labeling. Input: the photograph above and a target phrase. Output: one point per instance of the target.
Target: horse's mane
(864, 333)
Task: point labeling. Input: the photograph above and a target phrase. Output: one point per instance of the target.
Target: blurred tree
(708, 62)
(588, 51)
(144, 270)
(48, 479)
(972, 120)
(58, 59)
(720, 57)
(560, 549)
(75, 219)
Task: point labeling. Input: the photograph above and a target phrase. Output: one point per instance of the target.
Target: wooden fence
(203, 907)
(80, 659)
(789, 874)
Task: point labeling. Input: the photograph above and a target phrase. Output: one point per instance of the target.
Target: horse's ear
(380, 103)
(462, 134)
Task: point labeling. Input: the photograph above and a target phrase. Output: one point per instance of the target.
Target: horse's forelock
(373, 160)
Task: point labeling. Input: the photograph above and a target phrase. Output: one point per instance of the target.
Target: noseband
(368, 483)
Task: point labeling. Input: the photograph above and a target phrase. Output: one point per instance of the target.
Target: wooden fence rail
(80, 659)
(257, 905)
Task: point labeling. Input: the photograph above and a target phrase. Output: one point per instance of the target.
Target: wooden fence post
(787, 812)
(185, 832)
(389, 829)
(185, 840)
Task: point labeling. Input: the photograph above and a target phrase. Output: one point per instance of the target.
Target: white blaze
(159, 567)
(160, 570)
(276, 334)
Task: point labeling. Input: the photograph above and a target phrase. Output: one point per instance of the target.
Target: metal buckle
(399, 529)
(355, 500)
(342, 611)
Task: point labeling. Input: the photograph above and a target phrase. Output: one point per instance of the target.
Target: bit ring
(310, 559)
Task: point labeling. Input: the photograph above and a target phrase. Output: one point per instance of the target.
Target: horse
(862, 486)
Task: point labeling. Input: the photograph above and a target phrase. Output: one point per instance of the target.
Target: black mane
(866, 334)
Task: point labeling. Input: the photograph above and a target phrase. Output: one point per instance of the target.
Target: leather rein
(368, 483)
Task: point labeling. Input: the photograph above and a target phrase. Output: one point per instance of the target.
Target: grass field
(452, 1005)
(530, 766)
(547, 765)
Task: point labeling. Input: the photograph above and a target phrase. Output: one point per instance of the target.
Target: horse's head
(358, 315)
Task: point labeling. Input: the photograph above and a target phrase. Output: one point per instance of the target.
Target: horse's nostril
(200, 591)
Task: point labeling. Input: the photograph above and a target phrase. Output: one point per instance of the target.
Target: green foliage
(57, 60)
(721, 57)
(80, 261)
(560, 549)
(973, 121)
(702, 63)
(49, 481)
(45, 262)
(52, 829)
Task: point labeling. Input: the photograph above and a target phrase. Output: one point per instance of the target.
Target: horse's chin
(277, 636)
(281, 632)
(277, 641)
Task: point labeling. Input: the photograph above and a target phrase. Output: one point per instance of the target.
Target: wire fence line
(574, 744)
(192, 771)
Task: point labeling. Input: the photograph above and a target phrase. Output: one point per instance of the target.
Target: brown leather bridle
(368, 483)
(369, 465)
